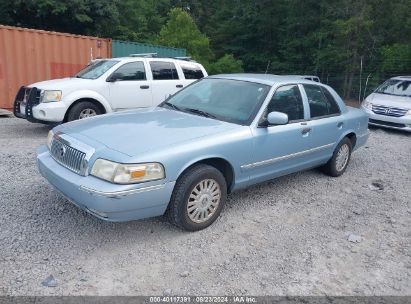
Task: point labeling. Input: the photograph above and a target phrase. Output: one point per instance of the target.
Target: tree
(226, 64)
(180, 31)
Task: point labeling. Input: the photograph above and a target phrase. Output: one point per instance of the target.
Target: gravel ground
(303, 234)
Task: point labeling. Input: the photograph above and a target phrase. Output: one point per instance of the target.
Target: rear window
(191, 71)
(163, 70)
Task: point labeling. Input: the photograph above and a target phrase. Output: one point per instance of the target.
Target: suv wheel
(82, 110)
(198, 198)
(338, 163)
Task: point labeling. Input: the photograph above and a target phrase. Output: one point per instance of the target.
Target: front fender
(82, 94)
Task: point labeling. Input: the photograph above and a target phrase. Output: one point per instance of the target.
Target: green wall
(125, 48)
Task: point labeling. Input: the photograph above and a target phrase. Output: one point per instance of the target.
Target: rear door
(130, 87)
(166, 80)
(326, 122)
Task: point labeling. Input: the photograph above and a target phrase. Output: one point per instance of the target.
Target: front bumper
(102, 199)
(34, 111)
(50, 111)
(398, 123)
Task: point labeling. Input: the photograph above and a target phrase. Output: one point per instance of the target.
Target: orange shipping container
(28, 56)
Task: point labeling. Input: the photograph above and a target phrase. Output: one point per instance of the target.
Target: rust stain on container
(28, 56)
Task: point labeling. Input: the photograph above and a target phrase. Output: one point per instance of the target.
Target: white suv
(104, 86)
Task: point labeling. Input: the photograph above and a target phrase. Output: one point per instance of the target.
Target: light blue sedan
(220, 134)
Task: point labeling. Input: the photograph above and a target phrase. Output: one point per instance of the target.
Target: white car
(104, 86)
(389, 105)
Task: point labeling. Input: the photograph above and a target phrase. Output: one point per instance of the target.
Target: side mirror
(277, 118)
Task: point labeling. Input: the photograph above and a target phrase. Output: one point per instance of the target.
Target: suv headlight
(367, 105)
(127, 173)
(50, 95)
(50, 139)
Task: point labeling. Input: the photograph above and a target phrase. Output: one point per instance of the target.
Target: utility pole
(359, 93)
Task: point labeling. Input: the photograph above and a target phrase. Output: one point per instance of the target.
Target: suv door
(281, 149)
(166, 80)
(129, 87)
(326, 121)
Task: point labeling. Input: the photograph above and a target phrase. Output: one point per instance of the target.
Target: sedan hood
(138, 131)
(403, 102)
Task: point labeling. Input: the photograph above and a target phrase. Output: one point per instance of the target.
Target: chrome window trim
(118, 194)
(285, 157)
(78, 145)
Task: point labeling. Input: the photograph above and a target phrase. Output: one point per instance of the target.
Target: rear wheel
(338, 163)
(83, 110)
(198, 198)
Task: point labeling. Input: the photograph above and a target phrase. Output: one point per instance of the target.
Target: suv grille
(388, 111)
(67, 156)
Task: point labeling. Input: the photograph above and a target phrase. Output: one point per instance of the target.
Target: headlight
(127, 173)
(50, 95)
(50, 139)
(367, 105)
(408, 112)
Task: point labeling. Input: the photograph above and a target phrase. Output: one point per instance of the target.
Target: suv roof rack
(155, 55)
(185, 58)
(147, 55)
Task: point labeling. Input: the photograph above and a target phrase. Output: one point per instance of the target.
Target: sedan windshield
(395, 87)
(223, 99)
(95, 69)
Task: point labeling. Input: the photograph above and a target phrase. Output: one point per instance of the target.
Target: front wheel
(83, 110)
(338, 163)
(198, 198)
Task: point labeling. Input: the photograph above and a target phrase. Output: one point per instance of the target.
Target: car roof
(402, 78)
(268, 79)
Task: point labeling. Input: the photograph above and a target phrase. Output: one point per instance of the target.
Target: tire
(201, 182)
(336, 166)
(83, 107)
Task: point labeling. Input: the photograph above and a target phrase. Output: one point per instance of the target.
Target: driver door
(282, 149)
(129, 87)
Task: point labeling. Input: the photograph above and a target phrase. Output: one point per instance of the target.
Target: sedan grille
(67, 156)
(388, 111)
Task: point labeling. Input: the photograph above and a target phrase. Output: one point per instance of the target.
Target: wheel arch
(83, 99)
(221, 164)
(352, 137)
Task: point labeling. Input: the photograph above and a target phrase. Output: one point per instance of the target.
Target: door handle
(305, 131)
(144, 87)
(340, 125)
(179, 86)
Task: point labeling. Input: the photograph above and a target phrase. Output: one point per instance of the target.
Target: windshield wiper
(199, 112)
(173, 106)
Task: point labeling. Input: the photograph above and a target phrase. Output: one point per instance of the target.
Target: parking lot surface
(303, 234)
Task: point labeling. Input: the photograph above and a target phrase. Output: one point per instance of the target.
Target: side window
(130, 72)
(163, 70)
(287, 99)
(320, 104)
(192, 71)
(333, 106)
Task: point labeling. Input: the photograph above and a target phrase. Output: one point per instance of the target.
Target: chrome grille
(67, 156)
(388, 111)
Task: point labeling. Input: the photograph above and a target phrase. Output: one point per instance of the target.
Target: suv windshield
(95, 69)
(223, 99)
(395, 87)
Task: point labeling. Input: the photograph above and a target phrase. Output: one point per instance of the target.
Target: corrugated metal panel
(28, 56)
(125, 48)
